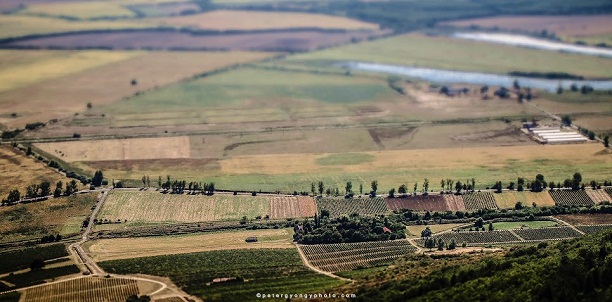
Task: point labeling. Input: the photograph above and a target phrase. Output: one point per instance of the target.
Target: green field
(19, 259)
(523, 225)
(269, 271)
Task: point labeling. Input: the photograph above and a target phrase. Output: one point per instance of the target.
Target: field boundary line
(315, 269)
(516, 235)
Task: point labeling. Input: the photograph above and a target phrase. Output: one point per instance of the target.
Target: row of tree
(41, 190)
(180, 186)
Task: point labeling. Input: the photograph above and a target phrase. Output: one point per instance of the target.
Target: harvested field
(418, 203)
(66, 95)
(48, 217)
(598, 196)
(92, 289)
(224, 20)
(154, 207)
(80, 10)
(559, 25)
(120, 149)
(125, 248)
(341, 206)
(454, 202)
(15, 165)
(292, 207)
(302, 40)
(477, 201)
(571, 198)
(508, 200)
(415, 230)
(587, 219)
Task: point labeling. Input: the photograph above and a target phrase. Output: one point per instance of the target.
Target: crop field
(587, 219)
(122, 248)
(120, 149)
(339, 257)
(423, 51)
(292, 207)
(71, 93)
(153, 207)
(415, 230)
(83, 289)
(34, 277)
(341, 206)
(79, 10)
(418, 203)
(15, 165)
(547, 233)
(276, 270)
(19, 259)
(454, 202)
(571, 198)
(508, 200)
(154, 10)
(476, 238)
(48, 217)
(523, 225)
(223, 20)
(477, 201)
(592, 229)
(598, 196)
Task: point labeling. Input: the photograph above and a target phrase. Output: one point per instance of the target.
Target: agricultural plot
(454, 202)
(609, 191)
(92, 289)
(153, 207)
(292, 207)
(508, 200)
(593, 229)
(571, 198)
(34, 277)
(477, 201)
(476, 238)
(341, 206)
(587, 219)
(523, 224)
(418, 203)
(415, 230)
(338, 257)
(276, 270)
(547, 233)
(598, 196)
(19, 259)
(79, 10)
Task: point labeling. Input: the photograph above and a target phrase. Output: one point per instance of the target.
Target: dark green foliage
(21, 259)
(566, 120)
(135, 298)
(573, 270)
(33, 126)
(10, 297)
(37, 264)
(349, 229)
(97, 179)
(548, 75)
(38, 276)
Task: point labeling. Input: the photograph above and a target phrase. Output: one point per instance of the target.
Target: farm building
(557, 136)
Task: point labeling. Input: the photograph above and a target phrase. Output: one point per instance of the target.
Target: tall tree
(45, 188)
(321, 187)
(349, 187)
(426, 185)
(97, 179)
(374, 186)
(58, 189)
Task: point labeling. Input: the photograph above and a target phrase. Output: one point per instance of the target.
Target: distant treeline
(547, 75)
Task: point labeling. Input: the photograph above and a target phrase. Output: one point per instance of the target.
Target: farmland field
(292, 207)
(454, 202)
(153, 207)
(592, 229)
(418, 203)
(571, 198)
(79, 10)
(275, 270)
(34, 277)
(415, 230)
(547, 233)
(121, 248)
(48, 217)
(587, 219)
(477, 238)
(508, 200)
(83, 289)
(338, 257)
(341, 206)
(19, 259)
(598, 196)
(477, 201)
(523, 225)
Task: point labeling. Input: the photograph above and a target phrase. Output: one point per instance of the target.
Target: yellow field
(253, 20)
(20, 25)
(14, 165)
(80, 10)
(122, 248)
(91, 289)
(49, 64)
(415, 230)
(120, 149)
(508, 200)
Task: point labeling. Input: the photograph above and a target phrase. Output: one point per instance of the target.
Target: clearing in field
(49, 217)
(415, 230)
(223, 20)
(134, 207)
(508, 200)
(79, 10)
(15, 165)
(422, 51)
(120, 149)
(122, 248)
(292, 207)
(92, 289)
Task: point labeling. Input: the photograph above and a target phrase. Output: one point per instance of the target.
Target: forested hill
(574, 270)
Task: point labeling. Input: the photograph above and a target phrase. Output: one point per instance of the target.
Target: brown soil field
(258, 20)
(454, 202)
(415, 230)
(292, 207)
(120, 149)
(598, 196)
(122, 248)
(418, 203)
(273, 41)
(67, 95)
(587, 219)
(34, 220)
(560, 25)
(14, 165)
